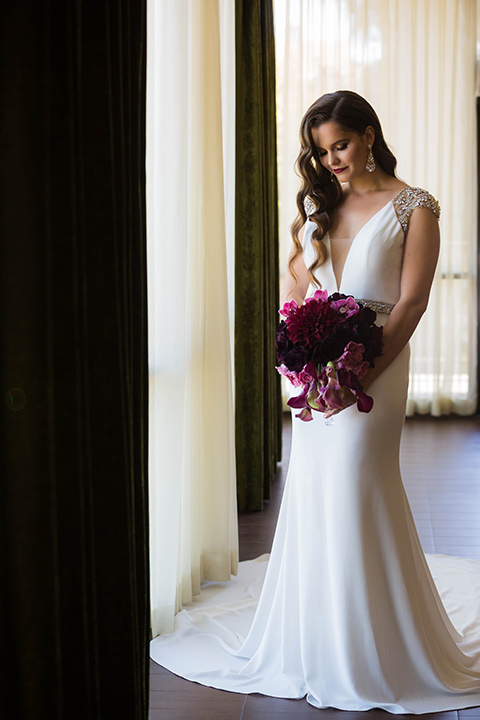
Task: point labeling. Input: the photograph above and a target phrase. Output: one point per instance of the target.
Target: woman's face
(341, 151)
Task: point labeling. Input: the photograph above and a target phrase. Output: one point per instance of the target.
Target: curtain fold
(257, 388)
(414, 60)
(478, 228)
(73, 510)
(192, 450)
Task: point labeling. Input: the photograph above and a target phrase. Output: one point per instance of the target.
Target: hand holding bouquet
(327, 344)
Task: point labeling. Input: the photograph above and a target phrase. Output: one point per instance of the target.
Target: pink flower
(311, 323)
(320, 295)
(289, 308)
(307, 399)
(353, 359)
(320, 400)
(364, 402)
(292, 376)
(346, 307)
(298, 402)
(323, 347)
(308, 374)
(332, 395)
(314, 400)
(305, 415)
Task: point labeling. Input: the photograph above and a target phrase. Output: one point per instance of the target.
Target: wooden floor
(441, 472)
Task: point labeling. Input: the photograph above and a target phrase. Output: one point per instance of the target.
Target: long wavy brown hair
(353, 113)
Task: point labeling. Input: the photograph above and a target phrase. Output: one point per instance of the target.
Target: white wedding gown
(352, 614)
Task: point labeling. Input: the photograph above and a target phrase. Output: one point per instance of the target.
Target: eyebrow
(337, 142)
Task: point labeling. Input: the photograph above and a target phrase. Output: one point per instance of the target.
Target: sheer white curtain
(190, 165)
(414, 60)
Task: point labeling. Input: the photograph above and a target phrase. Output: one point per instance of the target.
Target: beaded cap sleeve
(408, 199)
(309, 206)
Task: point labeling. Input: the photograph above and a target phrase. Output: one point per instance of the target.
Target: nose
(332, 158)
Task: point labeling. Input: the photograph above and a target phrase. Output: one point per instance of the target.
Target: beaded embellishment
(309, 206)
(408, 199)
(379, 307)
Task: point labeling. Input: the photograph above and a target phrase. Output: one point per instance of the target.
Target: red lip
(340, 170)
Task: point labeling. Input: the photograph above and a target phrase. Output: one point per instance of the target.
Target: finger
(331, 412)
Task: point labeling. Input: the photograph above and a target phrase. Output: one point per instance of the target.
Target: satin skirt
(347, 610)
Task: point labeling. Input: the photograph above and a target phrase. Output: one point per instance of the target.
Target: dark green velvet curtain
(73, 362)
(257, 388)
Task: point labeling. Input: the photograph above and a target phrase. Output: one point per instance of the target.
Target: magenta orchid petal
(364, 402)
(331, 370)
(305, 415)
(346, 378)
(312, 397)
(320, 295)
(320, 401)
(288, 308)
(347, 307)
(299, 401)
(332, 395)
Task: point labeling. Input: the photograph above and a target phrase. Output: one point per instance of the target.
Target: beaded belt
(379, 307)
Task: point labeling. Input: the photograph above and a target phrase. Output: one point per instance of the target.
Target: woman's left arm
(422, 244)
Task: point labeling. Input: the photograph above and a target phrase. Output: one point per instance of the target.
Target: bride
(352, 614)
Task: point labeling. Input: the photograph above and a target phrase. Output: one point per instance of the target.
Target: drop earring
(370, 166)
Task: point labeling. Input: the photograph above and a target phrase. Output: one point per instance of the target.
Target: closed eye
(339, 148)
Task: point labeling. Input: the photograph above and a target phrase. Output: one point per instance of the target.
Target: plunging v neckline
(338, 285)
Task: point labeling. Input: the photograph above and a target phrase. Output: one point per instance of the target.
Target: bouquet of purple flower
(326, 344)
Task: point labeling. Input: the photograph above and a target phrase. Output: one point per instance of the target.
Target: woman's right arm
(295, 288)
